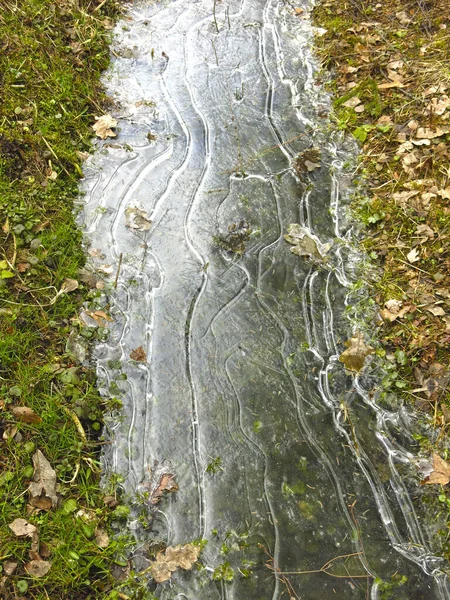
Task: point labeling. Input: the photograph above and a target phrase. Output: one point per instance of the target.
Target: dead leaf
(42, 489)
(425, 230)
(100, 317)
(355, 355)
(437, 311)
(173, 558)
(9, 567)
(21, 528)
(352, 102)
(429, 134)
(299, 11)
(69, 285)
(101, 538)
(167, 484)
(25, 414)
(394, 309)
(103, 126)
(136, 218)
(9, 432)
(38, 568)
(403, 17)
(413, 256)
(305, 244)
(138, 354)
(390, 84)
(105, 269)
(440, 473)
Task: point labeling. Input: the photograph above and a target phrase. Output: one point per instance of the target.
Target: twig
(118, 270)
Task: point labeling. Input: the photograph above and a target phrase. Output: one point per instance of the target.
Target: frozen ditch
(223, 142)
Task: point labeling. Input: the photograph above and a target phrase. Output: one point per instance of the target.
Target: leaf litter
(172, 559)
(42, 489)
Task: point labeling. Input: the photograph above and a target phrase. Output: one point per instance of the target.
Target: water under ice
(215, 100)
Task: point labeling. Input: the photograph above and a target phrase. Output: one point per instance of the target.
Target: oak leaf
(440, 473)
(138, 354)
(173, 558)
(355, 355)
(103, 126)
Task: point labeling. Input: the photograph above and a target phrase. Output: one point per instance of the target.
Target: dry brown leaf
(138, 354)
(352, 102)
(38, 568)
(173, 558)
(42, 489)
(9, 432)
(9, 567)
(425, 230)
(99, 316)
(21, 528)
(394, 309)
(101, 538)
(69, 285)
(136, 218)
(437, 311)
(413, 256)
(440, 473)
(391, 84)
(355, 355)
(25, 414)
(103, 126)
(429, 134)
(167, 484)
(299, 11)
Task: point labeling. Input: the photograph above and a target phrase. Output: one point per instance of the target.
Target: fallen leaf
(440, 473)
(427, 133)
(173, 558)
(136, 218)
(425, 230)
(105, 269)
(304, 243)
(38, 568)
(394, 309)
(99, 316)
(413, 256)
(9, 567)
(437, 311)
(352, 102)
(403, 17)
(101, 538)
(138, 354)
(69, 285)
(161, 480)
(25, 414)
(355, 355)
(9, 432)
(21, 528)
(390, 84)
(103, 126)
(299, 11)
(42, 489)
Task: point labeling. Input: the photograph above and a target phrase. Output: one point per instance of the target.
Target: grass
(51, 58)
(390, 83)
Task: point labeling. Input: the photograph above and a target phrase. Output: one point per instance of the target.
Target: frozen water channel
(283, 461)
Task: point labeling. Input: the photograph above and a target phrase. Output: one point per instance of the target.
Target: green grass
(51, 58)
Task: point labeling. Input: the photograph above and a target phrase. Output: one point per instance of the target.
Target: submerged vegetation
(391, 85)
(55, 520)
